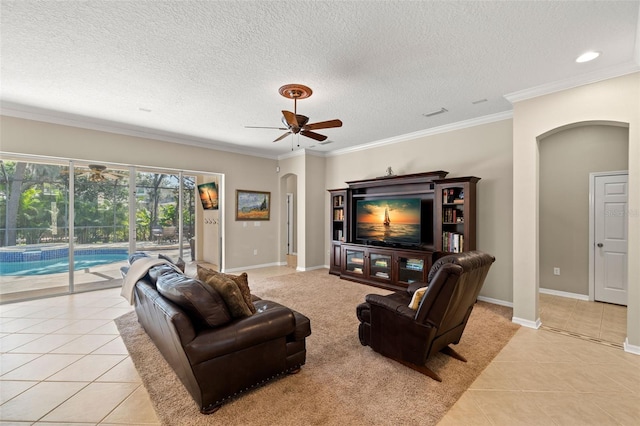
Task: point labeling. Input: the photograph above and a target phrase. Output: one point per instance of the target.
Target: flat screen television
(389, 221)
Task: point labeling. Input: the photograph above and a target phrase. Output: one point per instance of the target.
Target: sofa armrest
(272, 323)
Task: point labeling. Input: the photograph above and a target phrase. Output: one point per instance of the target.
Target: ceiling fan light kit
(297, 123)
(96, 173)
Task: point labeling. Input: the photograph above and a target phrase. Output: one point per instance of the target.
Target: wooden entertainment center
(396, 251)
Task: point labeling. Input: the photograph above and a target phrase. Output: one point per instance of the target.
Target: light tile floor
(62, 361)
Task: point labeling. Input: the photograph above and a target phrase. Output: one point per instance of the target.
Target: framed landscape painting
(252, 205)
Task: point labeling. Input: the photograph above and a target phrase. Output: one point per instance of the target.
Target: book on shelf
(452, 242)
(381, 263)
(453, 196)
(357, 270)
(452, 215)
(357, 260)
(415, 264)
(382, 274)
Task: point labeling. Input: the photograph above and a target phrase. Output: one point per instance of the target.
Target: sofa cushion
(205, 306)
(157, 271)
(242, 281)
(231, 294)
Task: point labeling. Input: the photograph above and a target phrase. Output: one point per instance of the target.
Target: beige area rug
(342, 381)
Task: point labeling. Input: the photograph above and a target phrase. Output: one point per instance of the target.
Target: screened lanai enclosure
(68, 226)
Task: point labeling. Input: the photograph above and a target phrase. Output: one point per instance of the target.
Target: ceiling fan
(296, 123)
(97, 173)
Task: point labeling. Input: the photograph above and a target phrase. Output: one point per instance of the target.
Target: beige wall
(615, 100)
(294, 165)
(241, 172)
(566, 159)
(316, 220)
(483, 151)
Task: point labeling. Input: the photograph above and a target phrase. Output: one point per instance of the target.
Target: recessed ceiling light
(144, 109)
(479, 101)
(587, 56)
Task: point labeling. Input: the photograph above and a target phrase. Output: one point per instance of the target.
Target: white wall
(613, 100)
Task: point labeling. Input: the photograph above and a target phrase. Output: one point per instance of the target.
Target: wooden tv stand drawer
(386, 267)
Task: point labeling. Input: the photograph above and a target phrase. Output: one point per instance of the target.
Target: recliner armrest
(390, 304)
(415, 286)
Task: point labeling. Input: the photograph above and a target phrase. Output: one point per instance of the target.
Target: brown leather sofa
(390, 327)
(217, 362)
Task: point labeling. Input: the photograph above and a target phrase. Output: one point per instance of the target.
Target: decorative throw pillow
(242, 281)
(203, 304)
(230, 294)
(417, 297)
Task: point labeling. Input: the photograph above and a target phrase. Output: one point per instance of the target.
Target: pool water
(54, 266)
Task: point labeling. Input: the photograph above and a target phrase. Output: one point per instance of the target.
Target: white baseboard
(311, 268)
(496, 301)
(527, 323)
(245, 268)
(564, 294)
(632, 349)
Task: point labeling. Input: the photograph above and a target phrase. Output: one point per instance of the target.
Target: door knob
(600, 244)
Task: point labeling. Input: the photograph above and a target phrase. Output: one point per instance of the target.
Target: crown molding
(427, 132)
(570, 83)
(10, 109)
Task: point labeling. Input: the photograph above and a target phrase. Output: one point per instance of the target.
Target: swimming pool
(46, 265)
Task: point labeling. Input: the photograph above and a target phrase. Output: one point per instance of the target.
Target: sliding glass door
(101, 226)
(164, 213)
(34, 208)
(115, 210)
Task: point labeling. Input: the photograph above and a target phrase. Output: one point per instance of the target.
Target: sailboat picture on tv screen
(389, 220)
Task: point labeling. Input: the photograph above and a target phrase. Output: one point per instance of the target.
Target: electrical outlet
(255, 252)
(556, 271)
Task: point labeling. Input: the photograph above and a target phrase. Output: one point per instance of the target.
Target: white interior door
(610, 248)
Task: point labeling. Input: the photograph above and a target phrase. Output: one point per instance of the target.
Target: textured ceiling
(199, 71)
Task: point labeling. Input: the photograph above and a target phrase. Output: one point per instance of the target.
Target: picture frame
(208, 193)
(253, 205)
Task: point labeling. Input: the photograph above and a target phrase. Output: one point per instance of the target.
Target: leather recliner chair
(390, 327)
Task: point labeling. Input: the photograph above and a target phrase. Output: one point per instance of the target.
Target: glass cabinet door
(380, 266)
(411, 269)
(354, 261)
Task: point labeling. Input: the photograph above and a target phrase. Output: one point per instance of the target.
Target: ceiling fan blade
(263, 127)
(290, 118)
(313, 135)
(283, 136)
(323, 125)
